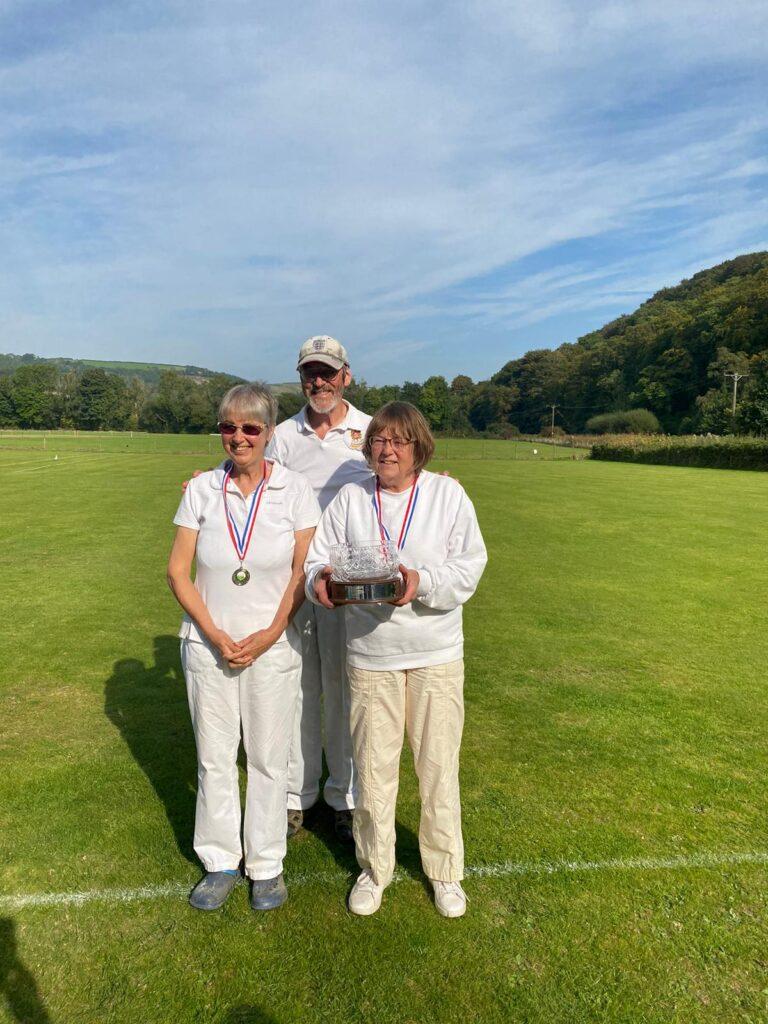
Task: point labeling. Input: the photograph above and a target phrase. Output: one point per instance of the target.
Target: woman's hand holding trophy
(365, 574)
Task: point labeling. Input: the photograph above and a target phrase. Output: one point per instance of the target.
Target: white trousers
(429, 703)
(324, 673)
(259, 701)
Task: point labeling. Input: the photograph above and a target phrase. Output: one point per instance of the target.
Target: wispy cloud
(213, 183)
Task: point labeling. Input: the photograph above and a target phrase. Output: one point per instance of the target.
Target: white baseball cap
(323, 349)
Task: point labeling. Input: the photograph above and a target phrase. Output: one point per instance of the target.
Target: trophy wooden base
(366, 591)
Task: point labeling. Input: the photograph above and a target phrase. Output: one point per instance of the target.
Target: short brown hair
(404, 420)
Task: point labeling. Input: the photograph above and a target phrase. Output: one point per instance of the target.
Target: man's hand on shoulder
(195, 473)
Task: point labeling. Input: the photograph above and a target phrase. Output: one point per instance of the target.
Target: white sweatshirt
(443, 543)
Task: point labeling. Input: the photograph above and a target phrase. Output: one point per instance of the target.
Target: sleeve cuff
(190, 524)
(308, 523)
(309, 584)
(425, 583)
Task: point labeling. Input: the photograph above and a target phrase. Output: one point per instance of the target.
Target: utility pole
(736, 378)
(552, 430)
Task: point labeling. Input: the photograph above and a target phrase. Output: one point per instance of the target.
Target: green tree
(434, 401)
(215, 388)
(713, 412)
(752, 411)
(289, 403)
(137, 393)
(490, 405)
(7, 409)
(103, 400)
(69, 399)
(668, 386)
(165, 411)
(460, 395)
(411, 392)
(34, 395)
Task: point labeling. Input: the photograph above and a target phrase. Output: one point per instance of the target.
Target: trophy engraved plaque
(365, 574)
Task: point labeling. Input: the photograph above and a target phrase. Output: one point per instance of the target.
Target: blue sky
(440, 186)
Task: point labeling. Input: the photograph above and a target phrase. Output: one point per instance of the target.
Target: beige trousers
(429, 703)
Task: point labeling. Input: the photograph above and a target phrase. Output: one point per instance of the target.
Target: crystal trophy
(365, 574)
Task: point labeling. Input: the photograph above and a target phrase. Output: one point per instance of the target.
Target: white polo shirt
(287, 505)
(329, 462)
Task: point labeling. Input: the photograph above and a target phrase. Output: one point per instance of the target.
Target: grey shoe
(212, 890)
(295, 819)
(268, 893)
(343, 826)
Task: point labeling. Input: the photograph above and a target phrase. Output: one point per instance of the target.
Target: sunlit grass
(616, 656)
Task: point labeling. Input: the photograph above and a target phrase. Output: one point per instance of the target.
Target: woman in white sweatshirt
(405, 661)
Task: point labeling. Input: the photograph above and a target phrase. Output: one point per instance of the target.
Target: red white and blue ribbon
(410, 508)
(241, 541)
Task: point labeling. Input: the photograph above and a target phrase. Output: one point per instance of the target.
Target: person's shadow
(319, 821)
(17, 986)
(247, 1015)
(148, 704)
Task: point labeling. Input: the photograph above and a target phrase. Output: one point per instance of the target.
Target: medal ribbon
(242, 542)
(410, 508)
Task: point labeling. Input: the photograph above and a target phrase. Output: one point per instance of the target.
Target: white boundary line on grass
(46, 458)
(505, 869)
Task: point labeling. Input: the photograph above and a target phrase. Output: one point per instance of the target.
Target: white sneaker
(450, 898)
(365, 898)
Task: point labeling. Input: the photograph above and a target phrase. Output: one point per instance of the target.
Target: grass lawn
(614, 767)
(71, 442)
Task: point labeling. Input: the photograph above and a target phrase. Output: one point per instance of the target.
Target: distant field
(614, 768)
(65, 442)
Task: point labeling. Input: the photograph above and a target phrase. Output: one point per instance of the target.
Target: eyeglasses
(398, 443)
(249, 429)
(315, 370)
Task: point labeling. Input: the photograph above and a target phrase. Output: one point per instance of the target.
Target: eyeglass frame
(398, 443)
(326, 375)
(229, 429)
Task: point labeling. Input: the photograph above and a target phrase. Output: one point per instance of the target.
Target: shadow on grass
(148, 704)
(247, 1015)
(17, 986)
(319, 821)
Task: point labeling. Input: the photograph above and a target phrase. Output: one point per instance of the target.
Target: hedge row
(711, 452)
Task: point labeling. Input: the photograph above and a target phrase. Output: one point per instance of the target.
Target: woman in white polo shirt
(248, 525)
(405, 663)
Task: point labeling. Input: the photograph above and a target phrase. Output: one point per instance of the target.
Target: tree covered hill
(670, 356)
(147, 372)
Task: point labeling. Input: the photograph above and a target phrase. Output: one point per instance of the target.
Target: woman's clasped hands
(242, 653)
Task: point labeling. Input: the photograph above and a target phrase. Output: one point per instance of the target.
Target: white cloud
(248, 178)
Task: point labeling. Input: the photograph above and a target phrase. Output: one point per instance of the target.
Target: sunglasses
(249, 429)
(312, 372)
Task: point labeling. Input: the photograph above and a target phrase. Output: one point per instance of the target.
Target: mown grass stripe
(504, 869)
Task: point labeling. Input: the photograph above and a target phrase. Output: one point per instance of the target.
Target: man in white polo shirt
(324, 442)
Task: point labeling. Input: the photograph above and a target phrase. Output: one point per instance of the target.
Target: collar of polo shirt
(351, 420)
(276, 477)
(307, 427)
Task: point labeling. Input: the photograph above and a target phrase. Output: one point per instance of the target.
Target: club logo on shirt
(355, 439)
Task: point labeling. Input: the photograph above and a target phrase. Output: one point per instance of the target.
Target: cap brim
(320, 357)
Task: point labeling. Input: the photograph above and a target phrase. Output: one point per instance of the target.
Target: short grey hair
(250, 402)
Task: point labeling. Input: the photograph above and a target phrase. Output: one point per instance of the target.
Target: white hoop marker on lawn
(504, 869)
